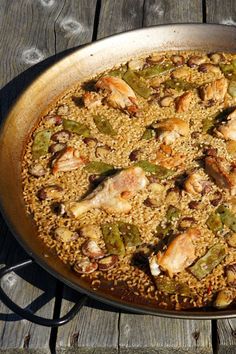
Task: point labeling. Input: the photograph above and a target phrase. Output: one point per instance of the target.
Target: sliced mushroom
(67, 160)
(230, 271)
(172, 196)
(178, 60)
(155, 82)
(90, 142)
(152, 202)
(58, 208)
(227, 129)
(85, 266)
(50, 192)
(37, 170)
(169, 130)
(187, 222)
(166, 101)
(102, 151)
(63, 109)
(61, 136)
(193, 204)
(64, 234)
(216, 58)
(180, 73)
(224, 298)
(155, 58)
(53, 119)
(215, 90)
(91, 232)
(231, 240)
(108, 262)
(92, 99)
(217, 198)
(154, 266)
(91, 249)
(209, 68)
(136, 64)
(54, 148)
(195, 61)
(182, 102)
(134, 155)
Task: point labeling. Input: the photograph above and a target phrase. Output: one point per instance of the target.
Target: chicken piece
(119, 93)
(223, 178)
(215, 90)
(171, 129)
(195, 184)
(227, 130)
(67, 160)
(180, 253)
(182, 102)
(92, 99)
(175, 161)
(111, 195)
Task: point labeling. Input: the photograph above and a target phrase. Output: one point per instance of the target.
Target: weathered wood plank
(74, 25)
(167, 11)
(93, 330)
(226, 331)
(28, 28)
(119, 16)
(151, 334)
(223, 12)
(35, 289)
(27, 37)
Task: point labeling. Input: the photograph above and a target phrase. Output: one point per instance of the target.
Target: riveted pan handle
(27, 314)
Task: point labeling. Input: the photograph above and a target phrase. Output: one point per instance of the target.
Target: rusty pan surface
(81, 65)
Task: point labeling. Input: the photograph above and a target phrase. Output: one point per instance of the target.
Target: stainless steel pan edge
(81, 65)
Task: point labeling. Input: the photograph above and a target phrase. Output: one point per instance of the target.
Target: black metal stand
(27, 314)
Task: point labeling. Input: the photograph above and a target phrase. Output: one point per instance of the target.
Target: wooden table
(30, 32)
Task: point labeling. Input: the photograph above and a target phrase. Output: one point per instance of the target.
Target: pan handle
(26, 314)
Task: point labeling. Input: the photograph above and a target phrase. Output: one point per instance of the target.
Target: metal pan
(32, 104)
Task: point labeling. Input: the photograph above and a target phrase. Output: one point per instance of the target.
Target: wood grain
(74, 25)
(34, 289)
(94, 330)
(223, 12)
(226, 331)
(168, 11)
(119, 16)
(30, 38)
(150, 334)
(28, 29)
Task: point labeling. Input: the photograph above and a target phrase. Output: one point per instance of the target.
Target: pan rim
(129, 307)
